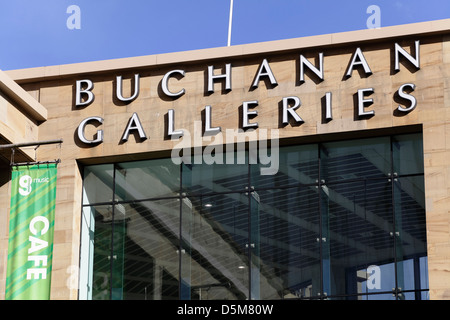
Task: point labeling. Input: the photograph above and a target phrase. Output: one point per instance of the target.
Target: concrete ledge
(366, 35)
(22, 98)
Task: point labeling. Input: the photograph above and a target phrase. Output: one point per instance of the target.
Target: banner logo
(25, 185)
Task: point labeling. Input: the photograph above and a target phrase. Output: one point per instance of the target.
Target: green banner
(31, 226)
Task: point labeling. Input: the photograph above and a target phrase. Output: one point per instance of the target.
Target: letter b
(80, 91)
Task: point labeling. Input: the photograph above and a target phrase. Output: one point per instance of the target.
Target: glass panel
(147, 179)
(410, 224)
(381, 296)
(294, 229)
(146, 250)
(414, 295)
(215, 241)
(357, 238)
(375, 279)
(285, 230)
(373, 296)
(408, 154)
(296, 165)
(368, 158)
(408, 296)
(423, 266)
(101, 282)
(86, 252)
(98, 184)
(425, 295)
(199, 179)
(259, 281)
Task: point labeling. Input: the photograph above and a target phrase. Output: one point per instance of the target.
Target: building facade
(310, 168)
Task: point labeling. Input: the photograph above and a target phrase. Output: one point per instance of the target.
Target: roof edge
(67, 70)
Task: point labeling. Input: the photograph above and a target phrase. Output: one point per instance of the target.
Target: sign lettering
(249, 112)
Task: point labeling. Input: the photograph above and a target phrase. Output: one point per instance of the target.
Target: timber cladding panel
(431, 93)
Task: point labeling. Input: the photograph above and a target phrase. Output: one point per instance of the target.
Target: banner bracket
(17, 164)
(37, 144)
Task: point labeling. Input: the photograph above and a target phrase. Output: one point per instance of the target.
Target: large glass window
(338, 220)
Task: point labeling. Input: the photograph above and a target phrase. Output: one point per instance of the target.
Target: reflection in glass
(410, 226)
(199, 179)
(136, 251)
(101, 284)
(380, 296)
(357, 234)
(363, 159)
(287, 249)
(376, 279)
(150, 248)
(347, 222)
(215, 245)
(146, 179)
(98, 184)
(407, 154)
(297, 165)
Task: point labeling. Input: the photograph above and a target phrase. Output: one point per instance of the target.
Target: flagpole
(229, 22)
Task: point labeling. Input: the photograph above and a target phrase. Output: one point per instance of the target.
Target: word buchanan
(84, 95)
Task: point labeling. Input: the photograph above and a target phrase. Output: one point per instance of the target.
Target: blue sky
(34, 33)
